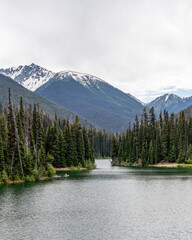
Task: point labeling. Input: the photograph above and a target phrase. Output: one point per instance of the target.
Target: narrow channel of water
(106, 203)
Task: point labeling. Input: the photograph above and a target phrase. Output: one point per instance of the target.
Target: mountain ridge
(171, 102)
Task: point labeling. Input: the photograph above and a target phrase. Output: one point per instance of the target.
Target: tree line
(31, 143)
(151, 140)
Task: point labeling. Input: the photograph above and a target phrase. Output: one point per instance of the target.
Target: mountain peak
(30, 76)
(171, 102)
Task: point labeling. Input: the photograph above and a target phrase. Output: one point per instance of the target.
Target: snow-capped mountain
(84, 94)
(29, 76)
(33, 76)
(170, 102)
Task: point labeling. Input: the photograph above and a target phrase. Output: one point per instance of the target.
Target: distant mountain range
(91, 97)
(170, 102)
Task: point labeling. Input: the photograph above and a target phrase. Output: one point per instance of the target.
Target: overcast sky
(141, 47)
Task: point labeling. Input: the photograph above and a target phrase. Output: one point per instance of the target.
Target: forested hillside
(29, 98)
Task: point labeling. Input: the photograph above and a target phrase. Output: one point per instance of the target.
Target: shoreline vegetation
(52, 174)
(45, 178)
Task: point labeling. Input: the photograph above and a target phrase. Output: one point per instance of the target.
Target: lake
(106, 203)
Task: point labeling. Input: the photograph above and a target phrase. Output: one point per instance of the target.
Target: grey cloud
(139, 46)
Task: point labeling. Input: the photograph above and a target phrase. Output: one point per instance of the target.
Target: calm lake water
(107, 203)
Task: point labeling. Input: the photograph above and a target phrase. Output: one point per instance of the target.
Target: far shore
(171, 165)
(167, 164)
(69, 169)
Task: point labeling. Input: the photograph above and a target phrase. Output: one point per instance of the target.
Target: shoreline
(66, 169)
(23, 181)
(158, 165)
(166, 164)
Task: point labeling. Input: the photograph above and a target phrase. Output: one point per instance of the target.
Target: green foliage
(90, 165)
(73, 168)
(50, 158)
(36, 174)
(188, 161)
(4, 177)
(29, 178)
(50, 170)
(79, 166)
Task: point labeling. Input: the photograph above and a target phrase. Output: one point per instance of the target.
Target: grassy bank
(70, 169)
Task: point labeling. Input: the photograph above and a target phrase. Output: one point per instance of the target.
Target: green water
(106, 203)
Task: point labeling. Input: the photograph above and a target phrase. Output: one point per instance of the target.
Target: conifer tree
(2, 160)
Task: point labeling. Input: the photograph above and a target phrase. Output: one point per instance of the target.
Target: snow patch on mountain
(166, 97)
(84, 79)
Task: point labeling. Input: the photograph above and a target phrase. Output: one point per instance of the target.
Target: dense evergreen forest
(150, 141)
(31, 143)
(101, 143)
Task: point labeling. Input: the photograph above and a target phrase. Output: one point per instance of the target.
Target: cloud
(141, 46)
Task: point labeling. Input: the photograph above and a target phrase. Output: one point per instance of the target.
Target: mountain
(170, 102)
(92, 98)
(29, 76)
(84, 94)
(29, 98)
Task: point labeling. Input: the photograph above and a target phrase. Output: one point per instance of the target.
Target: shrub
(74, 168)
(50, 170)
(32, 179)
(4, 177)
(36, 174)
(79, 166)
(17, 178)
(50, 158)
(29, 178)
(188, 161)
(90, 165)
